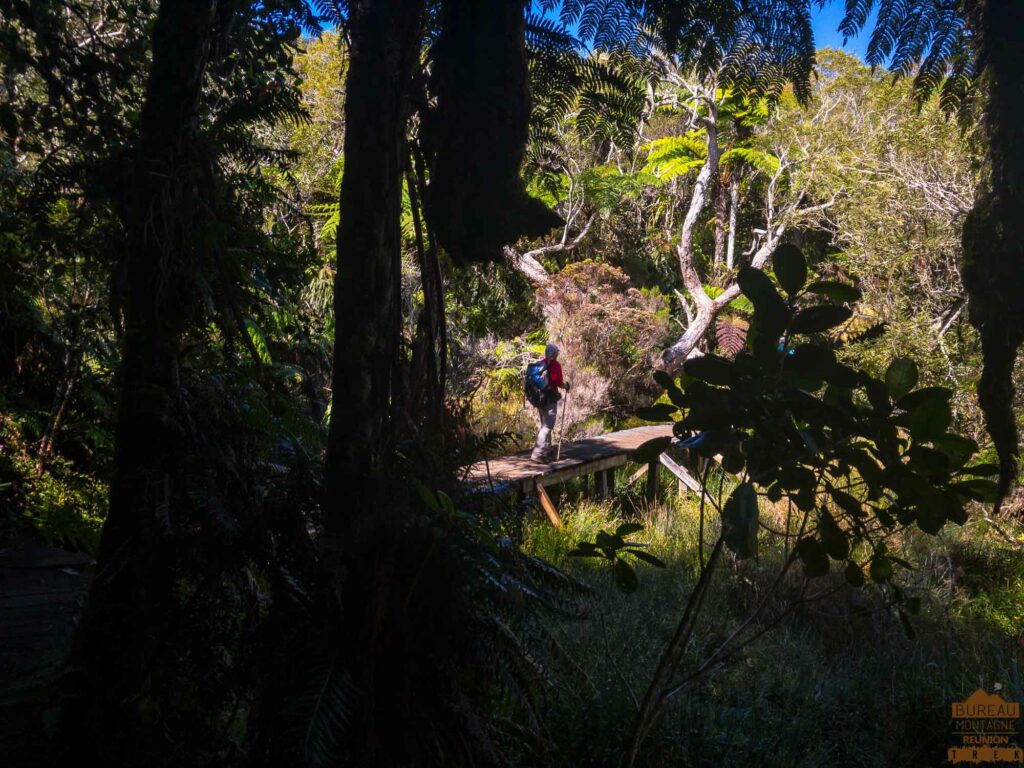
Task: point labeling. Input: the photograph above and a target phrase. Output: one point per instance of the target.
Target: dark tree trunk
(131, 599)
(365, 518)
(367, 288)
(993, 236)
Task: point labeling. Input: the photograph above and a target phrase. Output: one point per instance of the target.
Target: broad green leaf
(900, 377)
(842, 376)
(819, 319)
(739, 518)
(928, 461)
(959, 449)
(810, 360)
(712, 369)
(666, 382)
(790, 268)
(880, 568)
(428, 497)
(586, 549)
(846, 502)
(657, 412)
(955, 511)
(793, 478)
(814, 557)
(835, 290)
(608, 541)
(854, 575)
(446, 502)
(625, 576)
(833, 538)
(647, 557)
(627, 528)
(985, 491)
(930, 518)
(981, 470)
(649, 452)
(770, 312)
(925, 394)
(930, 419)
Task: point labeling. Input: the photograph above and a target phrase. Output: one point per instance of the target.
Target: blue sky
(826, 35)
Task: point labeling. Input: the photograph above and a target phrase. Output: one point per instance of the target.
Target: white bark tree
(788, 202)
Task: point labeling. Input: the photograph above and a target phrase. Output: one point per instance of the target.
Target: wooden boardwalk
(41, 592)
(580, 457)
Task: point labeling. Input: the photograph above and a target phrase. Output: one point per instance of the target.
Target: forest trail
(41, 592)
(579, 457)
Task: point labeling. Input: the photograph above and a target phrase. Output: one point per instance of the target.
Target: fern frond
(765, 162)
(324, 713)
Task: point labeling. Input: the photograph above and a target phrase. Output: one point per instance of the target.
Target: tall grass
(838, 683)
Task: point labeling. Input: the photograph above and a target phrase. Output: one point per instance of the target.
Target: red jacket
(555, 374)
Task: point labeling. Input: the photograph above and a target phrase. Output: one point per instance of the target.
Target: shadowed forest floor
(838, 683)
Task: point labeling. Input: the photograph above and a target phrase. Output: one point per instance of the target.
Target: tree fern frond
(731, 335)
(674, 156)
(928, 39)
(758, 159)
(325, 711)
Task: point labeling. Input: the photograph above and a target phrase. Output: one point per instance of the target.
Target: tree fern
(323, 713)
(929, 40)
(765, 162)
(674, 156)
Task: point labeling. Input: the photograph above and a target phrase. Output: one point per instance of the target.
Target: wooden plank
(651, 491)
(548, 506)
(518, 468)
(637, 475)
(684, 477)
(561, 475)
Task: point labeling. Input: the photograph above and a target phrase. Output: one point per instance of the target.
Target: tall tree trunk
(131, 599)
(993, 237)
(367, 288)
(365, 544)
(734, 208)
(674, 357)
(721, 213)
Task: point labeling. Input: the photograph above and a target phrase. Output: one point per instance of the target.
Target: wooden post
(686, 480)
(652, 482)
(548, 506)
(609, 482)
(636, 475)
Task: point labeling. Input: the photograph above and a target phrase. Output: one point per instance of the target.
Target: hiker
(543, 379)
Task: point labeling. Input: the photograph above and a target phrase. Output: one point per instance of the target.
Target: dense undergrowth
(837, 683)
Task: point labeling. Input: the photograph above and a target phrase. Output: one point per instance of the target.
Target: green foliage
(62, 504)
(838, 652)
(675, 156)
(870, 457)
(612, 547)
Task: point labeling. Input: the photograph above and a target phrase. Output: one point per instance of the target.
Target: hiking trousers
(548, 416)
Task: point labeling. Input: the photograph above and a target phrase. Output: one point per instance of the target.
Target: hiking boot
(543, 456)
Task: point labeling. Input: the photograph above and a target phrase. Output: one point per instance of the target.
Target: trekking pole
(561, 429)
